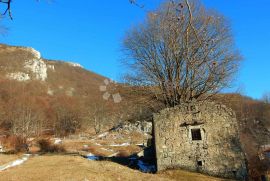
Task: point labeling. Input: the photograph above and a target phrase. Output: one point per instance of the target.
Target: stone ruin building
(201, 137)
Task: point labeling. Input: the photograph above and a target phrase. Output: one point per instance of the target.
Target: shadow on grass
(146, 164)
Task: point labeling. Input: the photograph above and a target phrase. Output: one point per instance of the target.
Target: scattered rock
(19, 76)
(2, 149)
(74, 64)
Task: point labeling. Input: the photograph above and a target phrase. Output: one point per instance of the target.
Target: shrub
(46, 146)
(123, 153)
(16, 144)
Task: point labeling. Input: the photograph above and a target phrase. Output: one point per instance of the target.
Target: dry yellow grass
(75, 145)
(8, 158)
(99, 148)
(67, 168)
(74, 168)
(188, 176)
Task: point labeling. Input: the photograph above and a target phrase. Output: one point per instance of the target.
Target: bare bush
(68, 119)
(15, 144)
(46, 146)
(67, 122)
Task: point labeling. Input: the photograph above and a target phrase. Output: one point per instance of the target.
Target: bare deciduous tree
(68, 118)
(94, 116)
(266, 97)
(97, 116)
(26, 118)
(183, 50)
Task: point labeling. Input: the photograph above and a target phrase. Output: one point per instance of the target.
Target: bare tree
(266, 97)
(183, 51)
(68, 117)
(97, 116)
(26, 118)
(8, 8)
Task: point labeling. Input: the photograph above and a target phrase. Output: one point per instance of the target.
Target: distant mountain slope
(26, 64)
(59, 91)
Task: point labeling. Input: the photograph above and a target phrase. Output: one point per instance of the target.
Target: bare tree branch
(134, 2)
(8, 9)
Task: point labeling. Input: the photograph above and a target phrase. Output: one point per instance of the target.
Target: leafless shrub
(67, 116)
(67, 123)
(46, 146)
(123, 153)
(15, 144)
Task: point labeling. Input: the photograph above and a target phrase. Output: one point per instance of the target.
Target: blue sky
(90, 33)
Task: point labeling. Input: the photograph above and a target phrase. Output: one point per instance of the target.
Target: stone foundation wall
(217, 153)
(140, 126)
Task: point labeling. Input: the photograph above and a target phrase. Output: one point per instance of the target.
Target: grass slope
(74, 168)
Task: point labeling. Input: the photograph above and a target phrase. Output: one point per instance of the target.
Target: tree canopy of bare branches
(183, 50)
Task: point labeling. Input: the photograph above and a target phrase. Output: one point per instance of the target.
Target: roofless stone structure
(200, 137)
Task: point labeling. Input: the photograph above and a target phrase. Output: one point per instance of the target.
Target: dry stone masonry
(139, 126)
(200, 137)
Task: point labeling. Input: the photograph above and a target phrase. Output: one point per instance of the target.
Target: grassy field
(188, 176)
(7, 158)
(74, 168)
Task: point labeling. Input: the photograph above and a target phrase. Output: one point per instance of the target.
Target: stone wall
(216, 151)
(139, 126)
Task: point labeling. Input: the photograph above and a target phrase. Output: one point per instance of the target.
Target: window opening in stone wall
(199, 163)
(196, 134)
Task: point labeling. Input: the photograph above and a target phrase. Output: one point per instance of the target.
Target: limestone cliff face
(31, 65)
(37, 67)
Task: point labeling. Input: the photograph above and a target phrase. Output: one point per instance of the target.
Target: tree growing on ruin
(183, 51)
